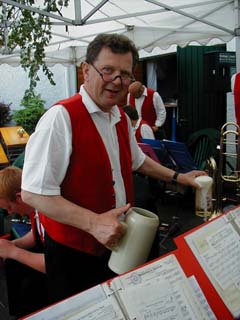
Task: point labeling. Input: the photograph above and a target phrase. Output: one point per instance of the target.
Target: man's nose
(117, 80)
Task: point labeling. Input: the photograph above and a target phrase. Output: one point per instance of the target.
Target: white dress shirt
(146, 130)
(157, 103)
(49, 149)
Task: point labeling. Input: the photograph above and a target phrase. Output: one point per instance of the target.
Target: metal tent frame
(149, 23)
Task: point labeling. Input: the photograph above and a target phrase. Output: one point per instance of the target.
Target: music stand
(148, 150)
(181, 155)
(161, 153)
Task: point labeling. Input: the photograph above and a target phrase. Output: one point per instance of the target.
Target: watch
(174, 178)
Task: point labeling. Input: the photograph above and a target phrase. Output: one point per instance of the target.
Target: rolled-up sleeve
(47, 153)
(138, 157)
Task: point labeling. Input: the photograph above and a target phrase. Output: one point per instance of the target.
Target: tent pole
(78, 12)
(237, 33)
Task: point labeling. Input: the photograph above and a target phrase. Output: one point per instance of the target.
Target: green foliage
(31, 33)
(5, 113)
(33, 109)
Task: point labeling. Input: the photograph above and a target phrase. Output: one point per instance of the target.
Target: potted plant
(33, 109)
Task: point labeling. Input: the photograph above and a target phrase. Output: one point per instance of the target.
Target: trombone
(227, 176)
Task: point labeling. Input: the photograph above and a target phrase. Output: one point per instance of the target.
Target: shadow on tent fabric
(203, 144)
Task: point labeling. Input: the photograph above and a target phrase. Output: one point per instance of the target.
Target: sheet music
(199, 293)
(151, 301)
(168, 268)
(68, 307)
(217, 248)
(234, 216)
(159, 291)
(159, 301)
(105, 310)
(223, 256)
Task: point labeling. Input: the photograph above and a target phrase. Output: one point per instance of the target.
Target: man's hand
(188, 179)
(154, 128)
(7, 249)
(107, 228)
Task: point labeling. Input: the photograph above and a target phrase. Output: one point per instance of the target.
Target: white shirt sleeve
(146, 132)
(128, 98)
(47, 153)
(160, 109)
(138, 156)
(233, 81)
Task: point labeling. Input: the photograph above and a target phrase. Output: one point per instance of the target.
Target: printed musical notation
(161, 290)
(217, 248)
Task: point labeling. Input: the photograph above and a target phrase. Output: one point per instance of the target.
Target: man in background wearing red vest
(78, 169)
(149, 105)
(140, 127)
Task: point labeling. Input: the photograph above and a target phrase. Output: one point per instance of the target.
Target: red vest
(138, 131)
(88, 181)
(148, 112)
(236, 93)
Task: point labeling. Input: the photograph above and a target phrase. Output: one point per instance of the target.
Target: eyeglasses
(107, 76)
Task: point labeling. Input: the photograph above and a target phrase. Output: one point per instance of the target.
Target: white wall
(14, 82)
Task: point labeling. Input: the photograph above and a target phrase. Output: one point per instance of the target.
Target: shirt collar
(137, 123)
(93, 108)
(145, 91)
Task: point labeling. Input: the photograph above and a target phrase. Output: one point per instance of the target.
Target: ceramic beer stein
(134, 247)
(203, 197)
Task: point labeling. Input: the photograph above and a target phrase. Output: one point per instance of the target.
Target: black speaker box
(218, 69)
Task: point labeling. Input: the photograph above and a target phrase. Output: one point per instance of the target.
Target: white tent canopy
(149, 23)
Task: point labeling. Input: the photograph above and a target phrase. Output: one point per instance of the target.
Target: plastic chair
(18, 162)
(203, 144)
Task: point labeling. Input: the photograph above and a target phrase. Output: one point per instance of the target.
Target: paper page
(168, 268)
(68, 307)
(234, 214)
(201, 297)
(153, 285)
(151, 301)
(223, 256)
(105, 310)
(158, 300)
(217, 248)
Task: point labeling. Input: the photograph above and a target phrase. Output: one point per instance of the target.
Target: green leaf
(31, 32)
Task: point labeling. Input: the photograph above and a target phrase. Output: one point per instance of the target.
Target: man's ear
(85, 70)
(18, 197)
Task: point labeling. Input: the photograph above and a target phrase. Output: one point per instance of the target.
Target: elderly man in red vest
(78, 169)
(148, 103)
